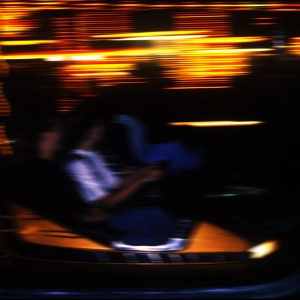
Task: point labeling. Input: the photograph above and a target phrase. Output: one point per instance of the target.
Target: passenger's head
(86, 131)
(50, 132)
(41, 137)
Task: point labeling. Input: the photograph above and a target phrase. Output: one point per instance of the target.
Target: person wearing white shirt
(94, 180)
(97, 184)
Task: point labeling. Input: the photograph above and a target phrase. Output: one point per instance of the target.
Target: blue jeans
(143, 225)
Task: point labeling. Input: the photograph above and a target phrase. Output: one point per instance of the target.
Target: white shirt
(93, 178)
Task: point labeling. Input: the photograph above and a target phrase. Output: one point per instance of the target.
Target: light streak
(201, 52)
(101, 74)
(230, 40)
(150, 34)
(87, 57)
(157, 38)
(29, 42)
(216, 123)
(233, 51)
(195, 87)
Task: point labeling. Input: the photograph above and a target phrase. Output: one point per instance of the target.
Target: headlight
(263, 249)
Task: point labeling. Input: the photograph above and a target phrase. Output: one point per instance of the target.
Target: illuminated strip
(151, 33)
(197, 87)
(233, 50)
(227, 40)
(160, 38)
(33, 42)
(216, 123)
(88, 56)
(101, 66)
(48, 3)
(101, 74)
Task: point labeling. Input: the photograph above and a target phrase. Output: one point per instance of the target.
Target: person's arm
(92, 190)
(131, 185)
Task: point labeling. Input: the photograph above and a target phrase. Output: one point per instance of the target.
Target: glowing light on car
(263, 249)
(216, 123)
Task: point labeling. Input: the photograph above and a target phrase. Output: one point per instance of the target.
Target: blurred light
(101, 74)
(151, 34)
(264, 23)
(216, 123)
(31, 42)
(165, 37)
(232, 40)
(87, 57)
(201, 52)
(199, 87)
(5, 145)
(54, 58)
(234, 50)
(101, 66)
(263, 249)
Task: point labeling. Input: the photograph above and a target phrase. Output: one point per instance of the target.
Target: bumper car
(209, 256)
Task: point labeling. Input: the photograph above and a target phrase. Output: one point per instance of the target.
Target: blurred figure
(49, 189)
(99, 187)
(173, 152)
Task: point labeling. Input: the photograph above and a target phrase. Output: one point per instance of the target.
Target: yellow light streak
(101, 74)
(87, 56)
(216, 123)
(31, 42)
(102, 66)
(161, 38)
(151, 33)
(233, 51)
(52, 58)
(226, 40)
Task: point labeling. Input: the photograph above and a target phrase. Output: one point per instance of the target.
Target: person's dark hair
(28, 136)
